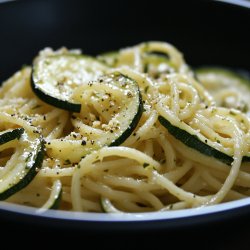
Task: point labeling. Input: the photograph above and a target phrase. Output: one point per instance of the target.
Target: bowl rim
(127, 217)
(99, 223)
(241, 3)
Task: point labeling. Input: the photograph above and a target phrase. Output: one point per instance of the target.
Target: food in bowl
(134, 130)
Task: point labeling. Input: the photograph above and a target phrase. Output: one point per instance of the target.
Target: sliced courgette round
(29, 156)
(216, 144)
(229, 88)
(55, 77)
(9, 135)
(156, 63)
(194, 142)
(114, 124)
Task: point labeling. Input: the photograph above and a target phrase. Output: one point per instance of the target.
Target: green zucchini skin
(136, 115)
(11, 135)
(35, 160)
(217, 79)
(54, 78)
(127, 117)
(194, 142)
(62, 104)
(132, 125)
(240, 78)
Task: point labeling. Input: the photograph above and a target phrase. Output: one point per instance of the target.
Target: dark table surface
(229, 234)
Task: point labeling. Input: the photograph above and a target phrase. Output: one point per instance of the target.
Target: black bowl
(207, 32)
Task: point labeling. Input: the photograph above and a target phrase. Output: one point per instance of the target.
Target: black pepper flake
(129, 95)
(73, 117)
(67, 161)
(92, 142)
(74, 136)
(44, 117)
(145, 164)
(83, 143)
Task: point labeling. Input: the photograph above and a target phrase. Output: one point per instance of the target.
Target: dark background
(207, 32)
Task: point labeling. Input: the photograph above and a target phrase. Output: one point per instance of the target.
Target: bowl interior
(207, 32)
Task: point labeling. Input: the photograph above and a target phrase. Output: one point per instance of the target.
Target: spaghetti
(129, 131)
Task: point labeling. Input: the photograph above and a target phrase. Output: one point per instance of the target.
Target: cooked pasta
(136, 130)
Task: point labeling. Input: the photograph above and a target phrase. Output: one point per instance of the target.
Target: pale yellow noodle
(151, 170)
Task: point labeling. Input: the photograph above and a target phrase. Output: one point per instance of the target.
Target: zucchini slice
(55, 77)
(218, 80)
(156, 63)
(115, 104)
(196, 141)
(193, 141)
(9, 135)
(29, 156)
